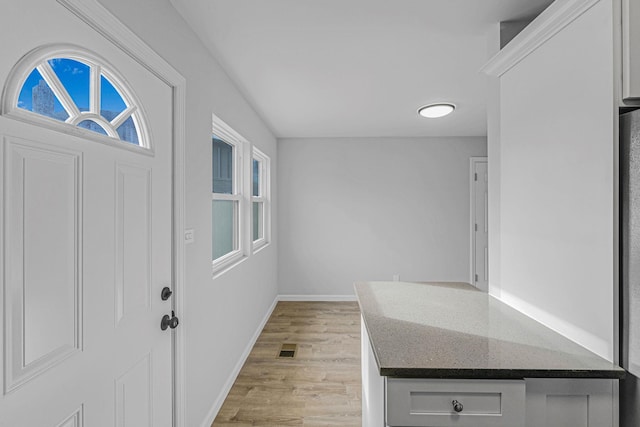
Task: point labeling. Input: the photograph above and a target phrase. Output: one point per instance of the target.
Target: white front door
(480, 223)
(86, 250)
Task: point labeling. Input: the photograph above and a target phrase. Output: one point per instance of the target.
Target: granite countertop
(453, 330)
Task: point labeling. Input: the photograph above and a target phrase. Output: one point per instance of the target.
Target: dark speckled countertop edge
(498, 374)
(480, 373)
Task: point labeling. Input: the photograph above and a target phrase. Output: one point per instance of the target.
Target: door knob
(169, 321)
(457, 406)
(166, 293)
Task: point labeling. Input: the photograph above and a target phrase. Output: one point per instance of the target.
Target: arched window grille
(76, 89)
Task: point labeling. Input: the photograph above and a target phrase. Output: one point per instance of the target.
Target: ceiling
(356, 68)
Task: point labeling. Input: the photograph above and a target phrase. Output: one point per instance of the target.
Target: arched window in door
(78, 90)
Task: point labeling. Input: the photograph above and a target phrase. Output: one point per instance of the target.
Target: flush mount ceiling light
(433, 111)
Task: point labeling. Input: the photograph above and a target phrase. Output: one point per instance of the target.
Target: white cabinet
(372, 384)
(465, 403)
(570, 402)
(533, 402)
(630, 50)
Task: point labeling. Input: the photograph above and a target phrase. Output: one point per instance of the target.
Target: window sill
(220, 267)
(259, 245)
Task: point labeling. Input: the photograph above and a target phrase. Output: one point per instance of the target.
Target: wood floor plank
(321, 386)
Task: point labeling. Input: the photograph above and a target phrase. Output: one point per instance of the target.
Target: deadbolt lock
(166, 293)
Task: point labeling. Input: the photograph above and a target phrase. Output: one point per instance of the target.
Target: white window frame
(264, 182)
(37, 59)
(224, 132)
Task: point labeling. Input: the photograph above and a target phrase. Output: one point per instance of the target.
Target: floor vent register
(288, 351)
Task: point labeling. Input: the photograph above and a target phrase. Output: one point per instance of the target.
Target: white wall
(493, 153)
(222, 314)
(557, 182)
(366, 209)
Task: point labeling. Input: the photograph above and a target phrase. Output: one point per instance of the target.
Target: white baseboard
(217, 404)
(316, 298)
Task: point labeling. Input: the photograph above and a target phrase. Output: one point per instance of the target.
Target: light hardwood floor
(321, 386)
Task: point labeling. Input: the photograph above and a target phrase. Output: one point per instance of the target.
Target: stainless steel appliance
(630, 268)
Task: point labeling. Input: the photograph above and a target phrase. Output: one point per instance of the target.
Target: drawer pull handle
(457, 406)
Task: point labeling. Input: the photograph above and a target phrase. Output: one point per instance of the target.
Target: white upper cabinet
(630, 50)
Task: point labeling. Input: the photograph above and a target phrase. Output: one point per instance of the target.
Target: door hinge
(475, 176)
(476, 277)
(476, 227)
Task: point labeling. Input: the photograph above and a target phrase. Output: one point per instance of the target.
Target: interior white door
(480, 206)
(86, 232)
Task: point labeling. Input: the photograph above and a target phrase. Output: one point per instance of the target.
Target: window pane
(222, 167)
(75, 77)
(224, 227)
(256, 178)
(91, 125)
(128, 132)
(258, 232)
(37, 96)
(111, 103)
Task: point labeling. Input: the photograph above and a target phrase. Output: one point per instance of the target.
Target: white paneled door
(86, 228)
(480, 223)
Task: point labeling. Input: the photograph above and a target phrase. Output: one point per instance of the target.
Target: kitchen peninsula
(446, 354)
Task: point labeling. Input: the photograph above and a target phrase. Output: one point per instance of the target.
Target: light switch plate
(189, 235)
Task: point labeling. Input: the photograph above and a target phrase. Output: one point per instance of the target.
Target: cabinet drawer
(427, 402)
